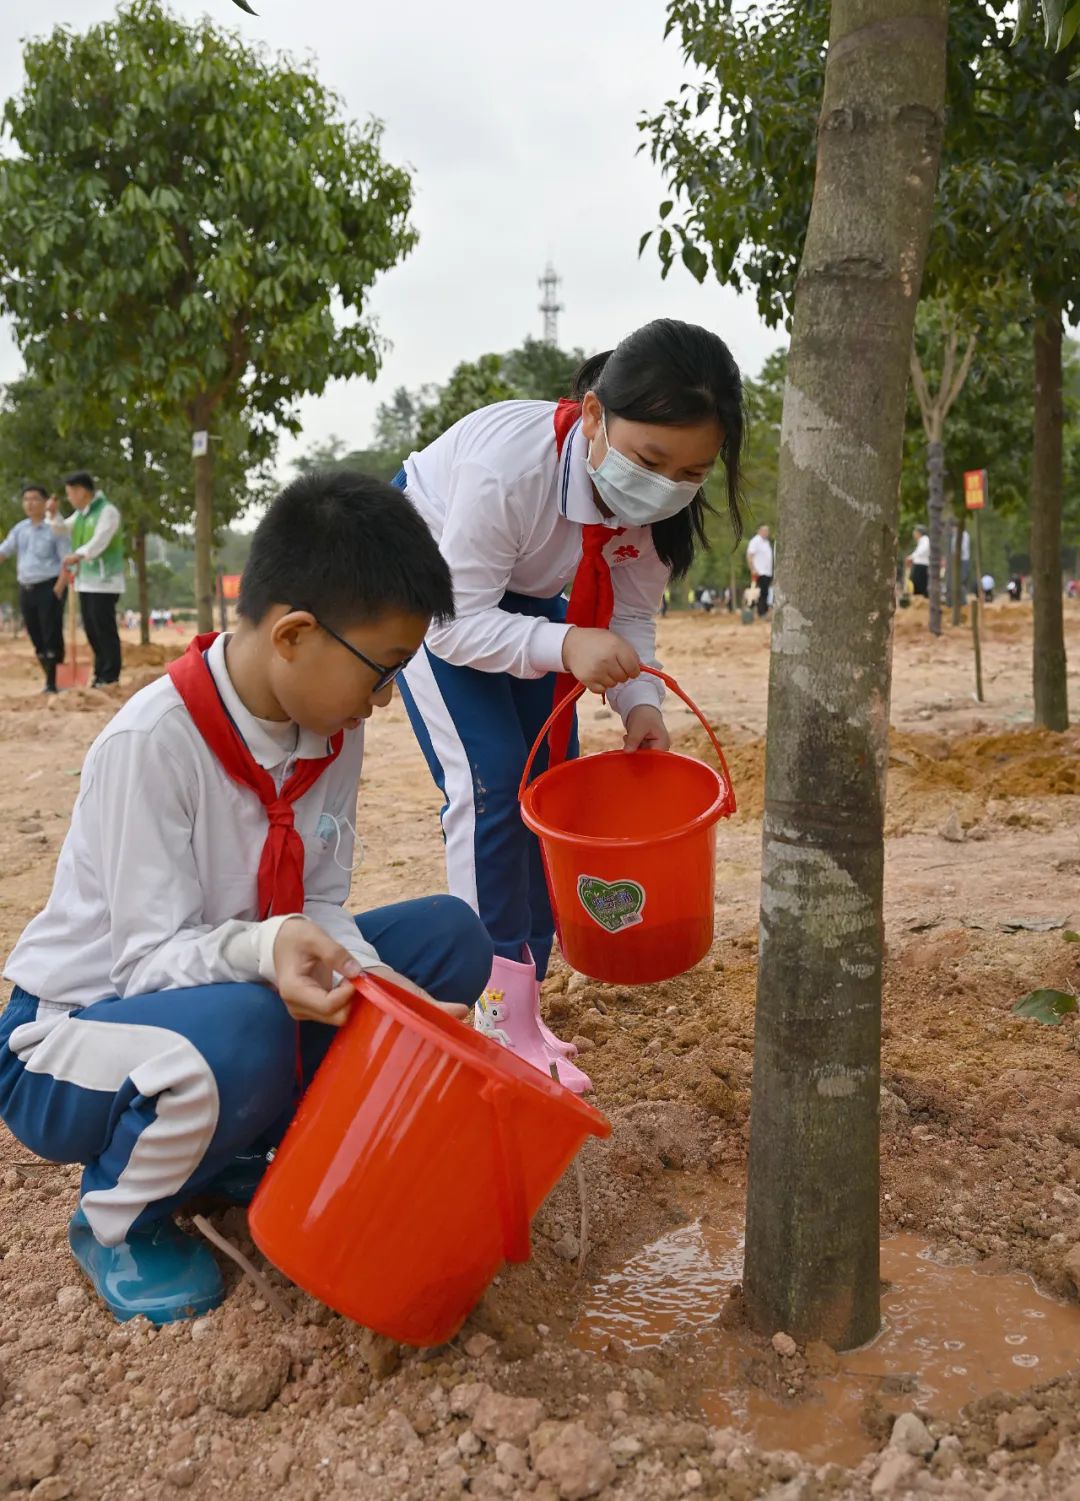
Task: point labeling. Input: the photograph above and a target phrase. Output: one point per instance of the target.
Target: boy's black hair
(81, 477)
(676, 374)
(38, 490)
(348, 548)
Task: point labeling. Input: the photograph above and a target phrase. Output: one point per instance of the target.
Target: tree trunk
(204, 532)
(143, 583)
(812, 1213)
(1047, 485)
(935, 473)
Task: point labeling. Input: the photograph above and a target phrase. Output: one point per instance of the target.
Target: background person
(39, 562)
(759, 558)
(96, 561)
(919, 563)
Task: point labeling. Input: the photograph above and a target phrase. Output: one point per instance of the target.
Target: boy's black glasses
(384, 675)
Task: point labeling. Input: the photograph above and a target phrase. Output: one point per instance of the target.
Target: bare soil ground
(981, 1138)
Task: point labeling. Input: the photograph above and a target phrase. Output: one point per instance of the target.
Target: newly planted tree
(812, 1214)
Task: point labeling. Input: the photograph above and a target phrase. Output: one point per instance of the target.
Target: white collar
(269, 741)
(576, 497)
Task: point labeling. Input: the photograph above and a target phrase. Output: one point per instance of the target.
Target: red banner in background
(975, 489)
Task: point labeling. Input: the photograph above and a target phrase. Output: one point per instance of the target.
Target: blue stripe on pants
(486, 724)
(155, 1094)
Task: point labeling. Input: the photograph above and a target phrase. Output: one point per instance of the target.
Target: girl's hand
(646, 730)
(599, 659)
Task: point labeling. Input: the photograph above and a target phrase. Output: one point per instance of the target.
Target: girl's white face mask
(636, 495)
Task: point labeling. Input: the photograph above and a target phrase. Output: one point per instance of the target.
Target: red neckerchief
(281, 865)
(592, 599)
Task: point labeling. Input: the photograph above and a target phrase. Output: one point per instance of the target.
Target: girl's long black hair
(675, 374)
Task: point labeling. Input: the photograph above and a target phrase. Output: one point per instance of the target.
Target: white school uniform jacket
(507, 511)
(156, 884)
(759, 555)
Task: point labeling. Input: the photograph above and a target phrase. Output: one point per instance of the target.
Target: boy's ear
(289, 631)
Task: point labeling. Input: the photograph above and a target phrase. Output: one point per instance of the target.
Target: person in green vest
(96, 561)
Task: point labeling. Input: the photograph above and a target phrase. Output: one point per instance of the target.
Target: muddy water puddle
(955, 1332)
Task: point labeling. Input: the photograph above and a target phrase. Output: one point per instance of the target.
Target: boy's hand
(599, 659)
(304, 961)
(72, 562)
(646, 730)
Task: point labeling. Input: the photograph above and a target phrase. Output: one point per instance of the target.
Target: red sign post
(976, 490)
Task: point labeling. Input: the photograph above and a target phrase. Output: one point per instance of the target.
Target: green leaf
(1071, 937)
(1024, 13)
(245, 6)
(1070, 24)
(695, 261)
(1046, 1006)
(1053, 17)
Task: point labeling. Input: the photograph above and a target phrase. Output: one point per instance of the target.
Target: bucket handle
(509, 1179)
(727, 806)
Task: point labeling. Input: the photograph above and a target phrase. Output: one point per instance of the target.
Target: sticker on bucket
(615, 905)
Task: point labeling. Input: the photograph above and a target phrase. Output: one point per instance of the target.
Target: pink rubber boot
(551, 1042)
(509, 1013)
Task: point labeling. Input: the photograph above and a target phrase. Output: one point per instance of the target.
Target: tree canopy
(189, 220)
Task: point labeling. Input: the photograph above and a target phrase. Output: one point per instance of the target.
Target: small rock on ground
(1022, 1427)
(241, 1384)
(910, 1435)
(893, 1473)
(36, 1458)
(500, 1419)
(577, 1462)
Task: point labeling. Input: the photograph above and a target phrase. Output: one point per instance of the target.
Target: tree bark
(204, 529)
(142, 582)
(812, 1213)
(1047, 486)
(935, 505)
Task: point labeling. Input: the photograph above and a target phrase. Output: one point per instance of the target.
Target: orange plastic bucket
(629, 849)
(413, 1167)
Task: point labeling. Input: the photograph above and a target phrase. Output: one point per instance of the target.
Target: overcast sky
(519, 123)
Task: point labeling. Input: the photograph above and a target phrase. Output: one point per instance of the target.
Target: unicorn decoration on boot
(489, 1012)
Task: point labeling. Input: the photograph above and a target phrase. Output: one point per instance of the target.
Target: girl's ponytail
(589, 373)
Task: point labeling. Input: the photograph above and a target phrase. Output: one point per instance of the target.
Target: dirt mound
(153, 655)
(1001, 621)
(930, 775)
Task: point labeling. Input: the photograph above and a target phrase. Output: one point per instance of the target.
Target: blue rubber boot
(238, 1181)
(158, 1272)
